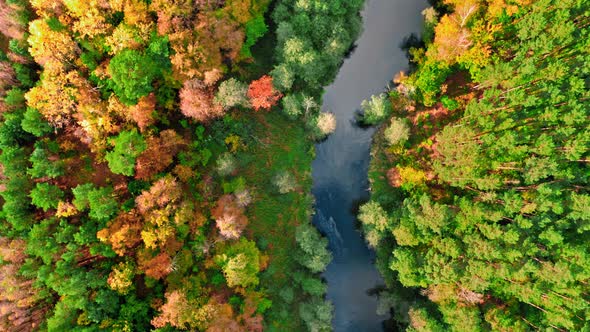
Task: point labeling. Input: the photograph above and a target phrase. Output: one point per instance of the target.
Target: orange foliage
(163, 192)
(262, 93)
(9, 25)
(157, 267)
(174, 312)
(196, 101)
(142, 113)
(123, 233)
(159, 154)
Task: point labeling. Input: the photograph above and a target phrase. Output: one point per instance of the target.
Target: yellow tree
(49, 45)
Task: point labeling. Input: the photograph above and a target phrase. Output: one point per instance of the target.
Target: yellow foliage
(65, 209)
(121, 278)
(48, 45)
(411, 176)
(234, 141)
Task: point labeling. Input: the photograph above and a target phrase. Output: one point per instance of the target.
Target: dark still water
(340, 168)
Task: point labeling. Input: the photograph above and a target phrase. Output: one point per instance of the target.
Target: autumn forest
(156, 161)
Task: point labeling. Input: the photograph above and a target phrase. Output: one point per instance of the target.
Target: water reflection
(340, 168)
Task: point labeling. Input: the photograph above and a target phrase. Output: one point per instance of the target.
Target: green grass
(280, 145)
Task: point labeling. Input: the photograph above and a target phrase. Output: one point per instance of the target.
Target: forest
(480, 168)
(156, 159)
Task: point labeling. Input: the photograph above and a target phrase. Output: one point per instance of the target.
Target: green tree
(128, 145)
(134, 72)
(46, 196)
(312, 248)
(34, 123)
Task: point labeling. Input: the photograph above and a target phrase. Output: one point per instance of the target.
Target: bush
(375, 109)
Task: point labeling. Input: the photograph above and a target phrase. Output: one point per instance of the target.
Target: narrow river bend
(340, 167)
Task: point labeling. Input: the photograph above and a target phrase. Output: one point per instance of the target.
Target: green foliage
(41, 166)
(255, 29)
(317, 315)
(432, 75)
(133, 72)
(46, 196)
(128, 145)
(232, 93)
(34, 123)
(375, 109)
(241, 263)
(312, 40)
(312, 248)
(449, 103)
(488, 222)
(103, 204)
(282, 77)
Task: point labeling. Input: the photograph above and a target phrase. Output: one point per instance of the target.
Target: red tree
(262, 93)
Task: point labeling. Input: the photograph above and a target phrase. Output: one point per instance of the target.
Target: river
(340, 167)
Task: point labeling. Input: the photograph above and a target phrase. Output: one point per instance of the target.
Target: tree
(312, 248)
(128, 145)
(34, 123)
(44, 166)
(134, 72)
(375, 222)
(226, 164)
(48, 45)
(46, 196)
(103, 204)
(232, 93)
(229, 217)
(284, 182)
(317, 315)
(159, 154)
(196, 101)
(326, 123)
(375, 109)
(282, 77)
(121, 278)
(397, 132)
(241, 263)
(262, 93)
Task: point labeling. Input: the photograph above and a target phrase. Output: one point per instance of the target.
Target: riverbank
(480, 174)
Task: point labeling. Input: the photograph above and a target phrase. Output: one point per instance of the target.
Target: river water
(341, 164)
